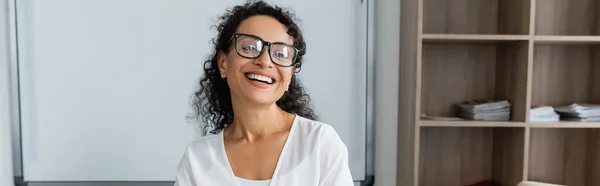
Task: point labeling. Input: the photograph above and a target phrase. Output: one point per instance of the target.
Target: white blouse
(313, 155)
(246, 182)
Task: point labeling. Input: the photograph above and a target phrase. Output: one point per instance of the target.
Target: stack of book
(543, 113)
(485, 110)
(579, 112)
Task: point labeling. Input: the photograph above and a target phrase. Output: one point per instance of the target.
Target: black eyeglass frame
(264, 43)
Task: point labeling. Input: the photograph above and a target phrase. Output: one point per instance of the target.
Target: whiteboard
(106, 84)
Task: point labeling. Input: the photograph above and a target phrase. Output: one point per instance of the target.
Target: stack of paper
(486, 110)
(543, 113)
(579, 112)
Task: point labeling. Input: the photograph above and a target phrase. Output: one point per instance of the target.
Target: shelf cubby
(453, 73)
(565, 156)
(565, 73)
(567, 17)
(476, 16)
(468, 155)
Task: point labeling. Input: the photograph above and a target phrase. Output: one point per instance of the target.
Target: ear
(297, 67)
(222, 61)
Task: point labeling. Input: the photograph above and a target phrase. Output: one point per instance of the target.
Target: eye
(280, 54)
(249, 48)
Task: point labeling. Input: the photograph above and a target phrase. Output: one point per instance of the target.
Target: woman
(263, 130)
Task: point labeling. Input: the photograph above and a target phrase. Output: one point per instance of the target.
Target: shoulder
(330, 151)
(201, 162)
(203, 151)
(308, 126)
(202, 145)
(313, 129)
(322, 135)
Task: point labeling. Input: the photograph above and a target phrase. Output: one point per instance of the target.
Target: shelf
(529, 52)
(566, 39)
(433, 123)
(495, 38)
(565, 156)
(567, 17)
(476, 16)
(465, 156)
(471, 38)
(532, 124)
(454, 73)
(565, 74)
(564, 124)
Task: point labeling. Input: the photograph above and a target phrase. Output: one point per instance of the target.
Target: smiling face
(256, 81)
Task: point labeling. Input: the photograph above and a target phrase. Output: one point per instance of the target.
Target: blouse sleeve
(184, 173)
(335, 170)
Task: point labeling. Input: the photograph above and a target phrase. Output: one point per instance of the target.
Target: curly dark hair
(212, 101)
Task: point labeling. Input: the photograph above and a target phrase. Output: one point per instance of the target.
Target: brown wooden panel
(594, 157)
(562, 75)
(508, 155)
(453, 73)
(455, 156)
(575, 157)
(514, 16)
(460, 16)
(563, 156)
(546, 155)
(565, 17)
(407, 132)
(597, 17)
(596, 73)
(511, 81)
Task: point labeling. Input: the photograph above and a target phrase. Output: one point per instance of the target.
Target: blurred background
(95, 92)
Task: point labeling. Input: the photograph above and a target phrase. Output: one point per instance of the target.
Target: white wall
(387, 59)
(6, 170)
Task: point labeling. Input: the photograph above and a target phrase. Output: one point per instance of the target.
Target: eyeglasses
(252, 47)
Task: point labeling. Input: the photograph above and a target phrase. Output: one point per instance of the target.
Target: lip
(259, 84)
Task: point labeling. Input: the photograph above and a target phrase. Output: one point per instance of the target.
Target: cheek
(233, 65)
(286, 76)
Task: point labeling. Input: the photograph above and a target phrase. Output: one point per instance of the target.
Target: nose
(264, 60)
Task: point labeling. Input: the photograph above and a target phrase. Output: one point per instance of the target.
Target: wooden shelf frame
(532, 52)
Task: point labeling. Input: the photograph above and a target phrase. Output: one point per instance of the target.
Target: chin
(262, 99)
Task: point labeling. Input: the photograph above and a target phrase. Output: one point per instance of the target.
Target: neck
(251, 122)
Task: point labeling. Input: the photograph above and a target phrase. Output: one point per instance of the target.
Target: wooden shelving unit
(530, 52)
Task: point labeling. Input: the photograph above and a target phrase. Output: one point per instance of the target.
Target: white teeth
(260, 78)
